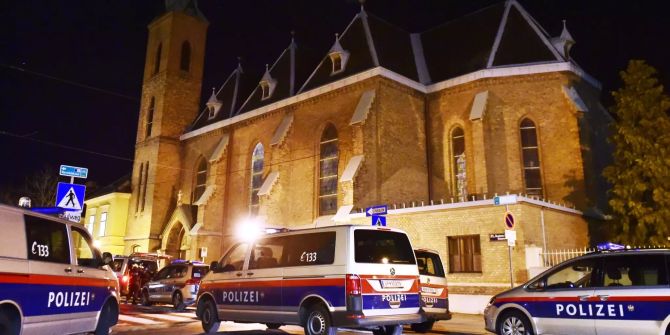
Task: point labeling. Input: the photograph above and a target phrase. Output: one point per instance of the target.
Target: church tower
(170, 98)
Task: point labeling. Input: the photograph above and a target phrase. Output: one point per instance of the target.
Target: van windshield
(378, 246)
(429, 264)
(199, 271)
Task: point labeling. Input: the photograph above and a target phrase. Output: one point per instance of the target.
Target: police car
(606, 292)
(176, 283)
(321, 279)
(52, 279)
(434, 291)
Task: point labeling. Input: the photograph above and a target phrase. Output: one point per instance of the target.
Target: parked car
(52, 278)
(176, 283)
(434, 292)
(321, 279)
(123, 264)
(606, 292)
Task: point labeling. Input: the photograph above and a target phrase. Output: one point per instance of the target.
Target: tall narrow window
(185, 62)
(257, 158)
(200, 180)
(157, 59)
(328, 159)
(530, 156)
(265, 90)
(458, 161)
(150, 117)
(140, 185)
(103, 224)
(144, 186)
(89, 225)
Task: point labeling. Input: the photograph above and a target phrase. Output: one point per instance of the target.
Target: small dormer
(267, 84)
(213, 105)
(564, 42)
(338, 56)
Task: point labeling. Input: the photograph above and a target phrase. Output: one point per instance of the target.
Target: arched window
(530, 156)
(328, 159)
(157, 59)
(200, 180)
(257, 158)
(185, 62)
(458, 161)
(150, 117)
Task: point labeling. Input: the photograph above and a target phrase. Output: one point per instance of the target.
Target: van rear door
(386, 265)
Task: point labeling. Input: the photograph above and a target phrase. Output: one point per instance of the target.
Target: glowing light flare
(249, 229)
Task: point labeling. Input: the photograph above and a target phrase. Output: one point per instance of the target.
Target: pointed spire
(337, 47)
(564, 42)
(362, 2)
(266, 75)
(239, 65)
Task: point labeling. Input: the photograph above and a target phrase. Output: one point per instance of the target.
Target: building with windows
(430, 123)
(106, 215)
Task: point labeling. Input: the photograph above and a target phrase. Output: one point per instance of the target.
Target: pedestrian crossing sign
(70, 196)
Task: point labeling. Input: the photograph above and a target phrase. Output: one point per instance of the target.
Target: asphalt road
(165, 320)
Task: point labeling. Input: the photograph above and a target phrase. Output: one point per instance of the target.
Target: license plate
(428, 290)
(391, 284)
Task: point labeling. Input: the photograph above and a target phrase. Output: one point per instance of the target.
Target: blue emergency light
(609, 246)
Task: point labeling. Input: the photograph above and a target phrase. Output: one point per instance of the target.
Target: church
(435, 125)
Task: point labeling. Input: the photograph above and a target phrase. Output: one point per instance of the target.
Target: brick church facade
(433, 124)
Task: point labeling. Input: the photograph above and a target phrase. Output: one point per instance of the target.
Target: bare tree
(41, 187)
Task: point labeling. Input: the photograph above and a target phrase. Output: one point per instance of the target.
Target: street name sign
(505, 200)
(376, 210)
(73, 171)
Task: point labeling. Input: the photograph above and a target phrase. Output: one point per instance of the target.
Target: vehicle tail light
(353, 285)
(193, 281)
(125, 279)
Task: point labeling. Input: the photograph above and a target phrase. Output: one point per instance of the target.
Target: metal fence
(554, 257)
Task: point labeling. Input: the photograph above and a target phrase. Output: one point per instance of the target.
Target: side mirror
(107, 258)
(214, 266)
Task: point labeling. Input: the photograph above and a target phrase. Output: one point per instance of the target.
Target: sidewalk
(461, 324)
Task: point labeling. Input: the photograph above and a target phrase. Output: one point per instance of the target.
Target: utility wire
(74, 83)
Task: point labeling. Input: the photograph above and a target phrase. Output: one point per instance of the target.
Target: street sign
(70, 196)
(505, 200)
(509, 220)
(73, 171)
(497, 237)
(376, 210)
(378, 220)
(510, 235)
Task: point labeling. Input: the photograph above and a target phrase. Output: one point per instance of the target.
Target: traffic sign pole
(509, 252)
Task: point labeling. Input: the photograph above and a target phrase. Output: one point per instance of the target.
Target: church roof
(500, 35)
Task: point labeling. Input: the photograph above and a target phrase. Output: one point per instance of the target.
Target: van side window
(310, 249)
(85, 253)
(234, 260)
(634, 270)
(429, 264)
(267, 253)
(47, 240)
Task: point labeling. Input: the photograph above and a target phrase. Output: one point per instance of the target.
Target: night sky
(71, 71)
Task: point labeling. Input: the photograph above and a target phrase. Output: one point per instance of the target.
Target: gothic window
(336, 60)
(200, 180)
(139, 188)
(458, 161)
(257, 158)
(157, 59)
(530, 156)
(150, 117)
(142, 193)
(328, 159)
(185, 62)
(265, 89)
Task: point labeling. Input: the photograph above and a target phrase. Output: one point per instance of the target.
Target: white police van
(607, 292)
(433, 287)
(52, 279)
(322, 279)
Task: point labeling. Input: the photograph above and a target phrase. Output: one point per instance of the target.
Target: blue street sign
(70, 196)
(376, 210)
(73, 171)
(378, 220)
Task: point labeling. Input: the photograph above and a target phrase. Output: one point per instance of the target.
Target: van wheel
(422, 327)
(273, 325)
(388, 330)
(108, 318)
(9, 321)
(514, 323)
(318, 322)
(178, 301)
(209, 317)
(145, 299)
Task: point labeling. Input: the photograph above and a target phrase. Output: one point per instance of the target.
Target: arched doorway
(177, 243)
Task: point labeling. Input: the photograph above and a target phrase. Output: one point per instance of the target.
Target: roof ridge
(456, 19)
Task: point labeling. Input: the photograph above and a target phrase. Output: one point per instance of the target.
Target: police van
(606, 292)
(52, 279)
(433, 287)
(321, 279)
